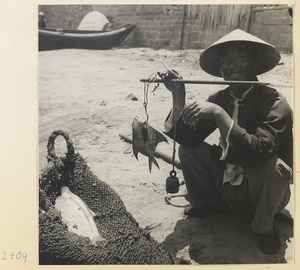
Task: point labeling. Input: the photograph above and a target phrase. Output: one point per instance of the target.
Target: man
(251, 168)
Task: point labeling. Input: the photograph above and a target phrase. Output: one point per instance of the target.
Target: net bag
(126, 243)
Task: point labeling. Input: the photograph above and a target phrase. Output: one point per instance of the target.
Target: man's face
(236, 65)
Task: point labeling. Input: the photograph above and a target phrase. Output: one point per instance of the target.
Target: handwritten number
(18, 256)
(24, 256)
(12, 255)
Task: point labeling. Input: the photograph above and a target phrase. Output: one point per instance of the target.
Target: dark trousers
(264, 191)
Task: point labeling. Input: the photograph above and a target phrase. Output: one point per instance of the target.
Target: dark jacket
(264, 127)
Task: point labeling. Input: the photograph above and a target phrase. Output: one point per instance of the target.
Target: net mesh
(126, 243)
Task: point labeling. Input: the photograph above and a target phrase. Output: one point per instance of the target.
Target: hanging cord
(175, 108)
(146, 90)
(167, 196)
(145, 104)
(153, 78)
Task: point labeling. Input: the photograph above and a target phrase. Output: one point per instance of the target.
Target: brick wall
(274, 27)
(64, 16)
(158, 26)
(163, 26)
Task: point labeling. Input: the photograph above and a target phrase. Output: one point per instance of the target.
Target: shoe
(269, 243)
(206, 210)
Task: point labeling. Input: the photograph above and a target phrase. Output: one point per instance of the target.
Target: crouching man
(251, 168)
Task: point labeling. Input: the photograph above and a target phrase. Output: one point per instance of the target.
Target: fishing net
(126, 243)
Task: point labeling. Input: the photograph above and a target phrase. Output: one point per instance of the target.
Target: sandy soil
(85, 93)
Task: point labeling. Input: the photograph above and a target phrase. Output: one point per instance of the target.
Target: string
(145, 104)
(146, 90)
(174, 145)
(175, 108)
(174, 122)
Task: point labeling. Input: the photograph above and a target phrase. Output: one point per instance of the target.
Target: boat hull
(54, 39)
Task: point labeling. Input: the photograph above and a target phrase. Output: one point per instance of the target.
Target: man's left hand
(198, 110)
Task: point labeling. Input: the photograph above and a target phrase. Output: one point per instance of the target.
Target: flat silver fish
(145, 140)
(77, 216)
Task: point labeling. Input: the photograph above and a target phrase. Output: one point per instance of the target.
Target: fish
(145, 140)
(77, 216)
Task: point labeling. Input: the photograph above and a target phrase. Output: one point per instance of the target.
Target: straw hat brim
(267, 55)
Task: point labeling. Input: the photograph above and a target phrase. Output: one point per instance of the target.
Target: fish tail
(152, 160)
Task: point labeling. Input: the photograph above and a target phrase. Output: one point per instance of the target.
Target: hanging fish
(77, 216)
(145, 140)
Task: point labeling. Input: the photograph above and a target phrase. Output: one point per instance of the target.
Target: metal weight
(172, 183)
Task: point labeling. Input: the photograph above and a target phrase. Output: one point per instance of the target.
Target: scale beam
(205, 82)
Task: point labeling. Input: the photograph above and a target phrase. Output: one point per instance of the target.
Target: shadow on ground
(224, 239)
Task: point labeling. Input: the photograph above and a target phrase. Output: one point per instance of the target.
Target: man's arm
(178, 102)
(196, 121)
(270, 134)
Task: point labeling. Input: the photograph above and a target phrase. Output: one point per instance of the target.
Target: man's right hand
(169, 75)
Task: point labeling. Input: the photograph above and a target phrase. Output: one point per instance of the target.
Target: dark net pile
(126, 242)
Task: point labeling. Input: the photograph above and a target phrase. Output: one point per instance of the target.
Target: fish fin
(135, 151)
(58, 203)
(92, 213)
(97, 239)
(152, 160)
(162, 138)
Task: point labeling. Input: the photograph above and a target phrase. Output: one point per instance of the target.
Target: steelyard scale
(172, 181)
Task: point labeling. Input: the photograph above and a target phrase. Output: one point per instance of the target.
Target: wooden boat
(54, 39)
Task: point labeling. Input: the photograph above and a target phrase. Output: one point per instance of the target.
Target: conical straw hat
(267, 55)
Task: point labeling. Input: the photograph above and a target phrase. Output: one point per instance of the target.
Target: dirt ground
(87, 94)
